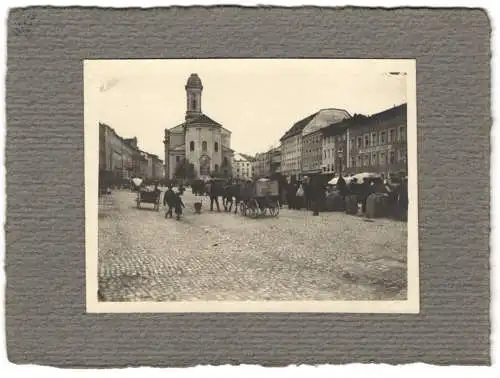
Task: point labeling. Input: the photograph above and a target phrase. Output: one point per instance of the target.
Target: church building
(199, 141)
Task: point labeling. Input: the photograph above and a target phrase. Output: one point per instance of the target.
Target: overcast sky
(257, 100)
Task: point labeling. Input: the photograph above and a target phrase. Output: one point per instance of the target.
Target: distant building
(275, 158)
(262, 165)
(312, 138)
(301, 144)
(121, 159)
(199, 141)
(267, 163)
(379, 143)
(334, 146)
(242, 166)
(291, 148)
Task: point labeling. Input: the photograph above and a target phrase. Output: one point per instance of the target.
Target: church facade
(199, 141)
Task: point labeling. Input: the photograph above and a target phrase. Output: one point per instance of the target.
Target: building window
(392, 136)
(374, 159)
(325, 154)
(374, 139)
(382, 137)
(392, 158)
(382, 159)
(366, 160)
(216, 168)
(360, 141)
(359, 161)
(352, 144)
(191, 146)
(216, 147)
(353, 162)
(204, 146)
(402, 134)
(367, 141)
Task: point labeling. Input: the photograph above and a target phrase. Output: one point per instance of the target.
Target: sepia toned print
(251, 185)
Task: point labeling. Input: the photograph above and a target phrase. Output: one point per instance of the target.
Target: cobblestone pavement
(222, 256)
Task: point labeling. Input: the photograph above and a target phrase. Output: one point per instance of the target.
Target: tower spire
(194, 87)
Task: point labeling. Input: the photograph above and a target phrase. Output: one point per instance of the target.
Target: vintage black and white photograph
(251, 185)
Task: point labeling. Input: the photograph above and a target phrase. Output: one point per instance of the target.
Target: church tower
(193, 96)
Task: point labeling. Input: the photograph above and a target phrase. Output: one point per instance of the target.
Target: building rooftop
(324, 118)
(194, 81)
(298, 127)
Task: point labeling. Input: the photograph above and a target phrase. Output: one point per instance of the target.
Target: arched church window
(204, 146)
(216, 147)
(191, 146)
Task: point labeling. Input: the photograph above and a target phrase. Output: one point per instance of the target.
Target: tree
(185, 170)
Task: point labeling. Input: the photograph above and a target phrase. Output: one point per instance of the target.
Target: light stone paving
(223, 256)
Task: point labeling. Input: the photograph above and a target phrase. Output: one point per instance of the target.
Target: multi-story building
(116, 156)
(158, 169)
(291, 148)
(334, 147)
(311, 152)
(275, 160)
(378, 143)
(267, 163)
(262, 165)
(121, 159)
(242, 166)
(312, 138)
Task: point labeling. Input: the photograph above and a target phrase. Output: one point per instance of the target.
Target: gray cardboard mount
(46, 321)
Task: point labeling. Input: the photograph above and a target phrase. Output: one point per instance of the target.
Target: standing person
(403, 197)
(290, 195)
(308, 193)
(299, 196)
(342, 187)
(169, 200)
(214, 196)
(179, 205)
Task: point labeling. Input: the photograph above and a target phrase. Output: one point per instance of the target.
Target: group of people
(311, 192)
(173, 200)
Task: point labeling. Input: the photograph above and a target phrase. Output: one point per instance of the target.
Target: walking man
(214, 196)
(179, 205)
(169, 200)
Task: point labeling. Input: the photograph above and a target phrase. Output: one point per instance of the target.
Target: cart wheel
(274, 211)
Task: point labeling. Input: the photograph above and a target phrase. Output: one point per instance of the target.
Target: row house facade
(275, 160)
(311, 153)
(262, 165)
(121, 159)
(379, 143)
(301, 145)
(312, 137)
(243, 166)
(334, 148)
(267, 164)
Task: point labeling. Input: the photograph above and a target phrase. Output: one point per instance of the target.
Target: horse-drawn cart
(152, 197)
(259, 198)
